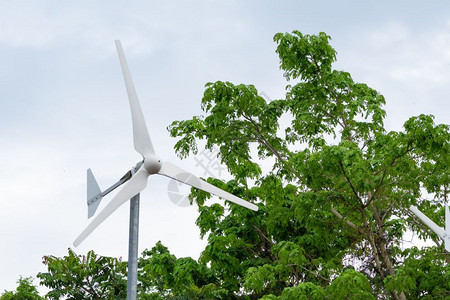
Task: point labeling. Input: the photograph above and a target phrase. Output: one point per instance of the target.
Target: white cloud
(389, 35)
(413, 56)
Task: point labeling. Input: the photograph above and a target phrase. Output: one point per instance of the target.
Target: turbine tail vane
(94, 193)
(135, 185)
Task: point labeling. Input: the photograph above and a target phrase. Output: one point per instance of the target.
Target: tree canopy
(333, 207)
(25, 290)
(339, 189)
(84, 277)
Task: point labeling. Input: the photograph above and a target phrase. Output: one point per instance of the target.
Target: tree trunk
(383, 250)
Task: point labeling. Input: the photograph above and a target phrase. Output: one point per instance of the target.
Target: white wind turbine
(135, 181)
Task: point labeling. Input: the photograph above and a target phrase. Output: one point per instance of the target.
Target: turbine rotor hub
(152, 164)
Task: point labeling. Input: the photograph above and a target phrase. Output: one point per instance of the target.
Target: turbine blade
(433, 226)
(136, 184)
(447, 226)
(172, 171)
(141, 138)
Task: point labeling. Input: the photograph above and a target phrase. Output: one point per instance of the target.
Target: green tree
(421, 275)
(84, 277)
(350, 285)
(25, 290)
(163, 276)
(338, 191)
(333, 209)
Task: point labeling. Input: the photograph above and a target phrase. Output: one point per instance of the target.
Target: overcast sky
(63, 104)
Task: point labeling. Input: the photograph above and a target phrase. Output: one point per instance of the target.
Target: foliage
(339, 188)
(350, 285)
(163, 275)
(303, 291)
(421, 275)
(84, 277)
(24, 291)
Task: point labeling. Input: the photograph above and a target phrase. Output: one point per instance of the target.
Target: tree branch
(349, 223)
(350, 183)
